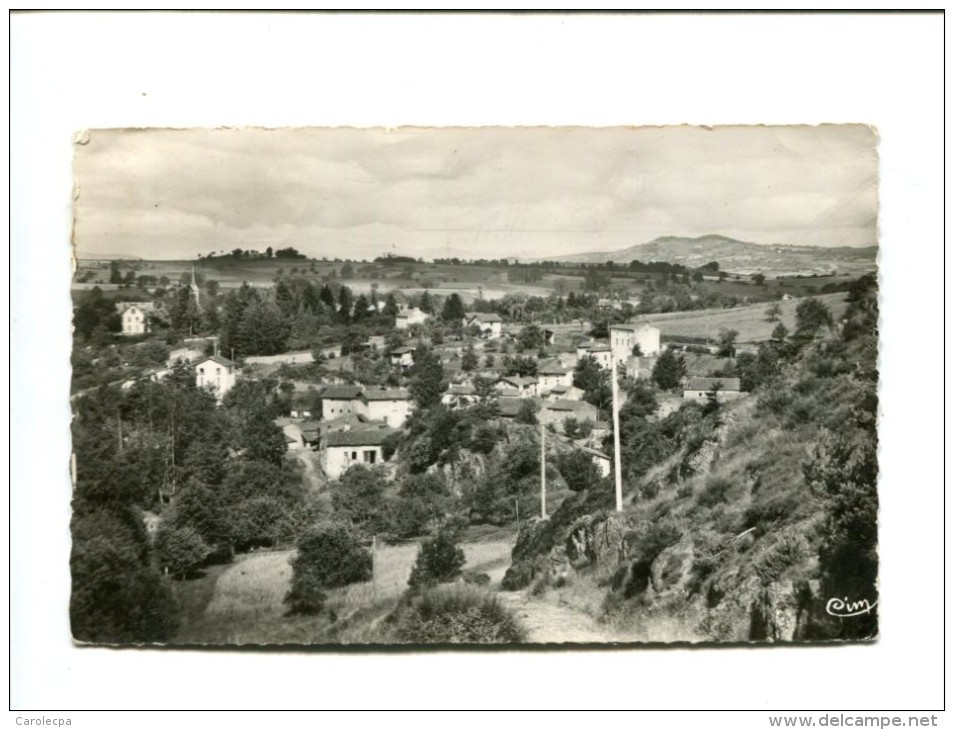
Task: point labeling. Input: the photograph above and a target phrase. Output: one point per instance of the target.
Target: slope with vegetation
(741, 519)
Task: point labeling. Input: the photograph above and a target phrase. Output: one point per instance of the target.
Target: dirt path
(551, 623)
(547, 619)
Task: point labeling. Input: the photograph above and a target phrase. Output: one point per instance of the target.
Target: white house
(553, 375)
(392, 407)
(217, 373)
(599, 351)
(341, 400)
(602, 460)
(624, 337)
(558, 411)
(459, 395)
(699, 389)
(524, 387)
(403, 356)
(134, 318)
(406, 317)
(340, 450)
(490, 325)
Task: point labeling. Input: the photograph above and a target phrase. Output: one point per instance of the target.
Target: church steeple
(194, 287)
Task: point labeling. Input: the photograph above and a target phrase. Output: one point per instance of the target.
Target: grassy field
(749, 321)
(245, 601)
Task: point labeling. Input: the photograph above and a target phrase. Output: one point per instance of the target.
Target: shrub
(439, 560)
(578, 470)
(457, 615)
(329, 555)
(714, 492)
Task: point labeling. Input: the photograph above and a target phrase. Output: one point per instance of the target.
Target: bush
(578, 470)
(329, 555)
(439, 560)
(457, 615)
(714, 492)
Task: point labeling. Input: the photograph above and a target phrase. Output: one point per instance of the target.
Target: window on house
(354, 456)
(369, 457)
(201, 371)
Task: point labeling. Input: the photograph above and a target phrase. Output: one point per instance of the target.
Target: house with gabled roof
(134, 316)
(340, 400)
(625, 337)
(722, 389)
(489, 324)
(215, 373)
(525, 387)
(391, 406)
(552, 375)
(340, 450)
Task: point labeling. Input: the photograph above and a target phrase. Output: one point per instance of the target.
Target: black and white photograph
(475, 385)
(446, 361)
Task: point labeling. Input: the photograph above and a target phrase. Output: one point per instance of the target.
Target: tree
(422, 501)
(115, 276)
(578, 470)
(329, 555)
(427, 378)
(596, 384)
(531, 338)
(359, 495)
(759, 279)
(262, 439)
(774, 312)
(268, 252)
(489, 360)
(527, 412)
(453, 311)
(525, 367)
(180, 550)
(469, 360)
(439, 560)
(727, 339)
(811, 315)
(345, 304)
(669, 370)
(264, 330)
(576, 429)
(390, 306)
(426, 305)
(780, 332)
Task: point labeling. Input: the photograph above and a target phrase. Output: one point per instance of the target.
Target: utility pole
(617, 475)
(543, 472)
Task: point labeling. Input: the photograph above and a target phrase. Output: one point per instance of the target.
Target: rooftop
(569, 405)
(724, 384)
(393, 394)
(359, 437)
(218, 359)
(487, 317)
(341, 392)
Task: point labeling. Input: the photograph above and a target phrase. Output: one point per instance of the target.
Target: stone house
(340, 450)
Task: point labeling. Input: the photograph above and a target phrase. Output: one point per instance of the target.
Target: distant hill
(735, 256)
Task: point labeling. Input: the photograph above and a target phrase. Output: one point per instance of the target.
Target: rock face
(595, 540)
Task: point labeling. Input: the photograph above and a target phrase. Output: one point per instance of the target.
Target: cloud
(535, 191)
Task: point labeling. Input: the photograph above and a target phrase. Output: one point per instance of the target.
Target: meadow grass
(749, 321)
(247, 601)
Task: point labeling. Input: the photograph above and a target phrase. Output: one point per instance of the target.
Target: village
(342, 421)
(315, 458)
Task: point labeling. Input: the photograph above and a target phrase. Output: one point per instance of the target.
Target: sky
(489, 192)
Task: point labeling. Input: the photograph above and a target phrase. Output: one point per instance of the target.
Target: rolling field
(245, 601)
(749, 321)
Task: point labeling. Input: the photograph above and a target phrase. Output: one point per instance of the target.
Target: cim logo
(843, 608)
